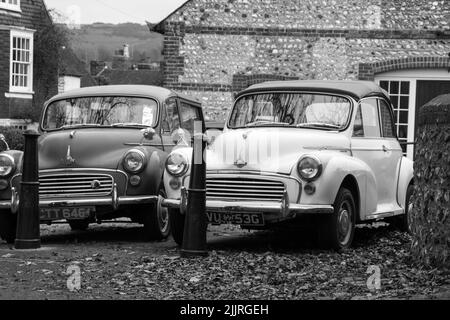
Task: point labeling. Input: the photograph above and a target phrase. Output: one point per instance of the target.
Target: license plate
(246, 219)
(67, 213)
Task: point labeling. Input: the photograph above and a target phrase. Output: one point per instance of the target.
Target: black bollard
(28, 221)
(196, 224)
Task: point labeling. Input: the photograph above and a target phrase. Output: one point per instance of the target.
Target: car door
(394, 150)
(380, 154)
(191, 117)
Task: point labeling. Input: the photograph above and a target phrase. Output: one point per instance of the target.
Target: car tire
(79, 225)
(177, 225)
(403, 222)
(338, 229)
(157, 220)
(8, 226)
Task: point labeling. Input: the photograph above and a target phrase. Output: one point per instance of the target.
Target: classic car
(102, 154)
(327, 150)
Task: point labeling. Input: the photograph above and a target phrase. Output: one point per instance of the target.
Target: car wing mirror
(3, 139)
(148, 133)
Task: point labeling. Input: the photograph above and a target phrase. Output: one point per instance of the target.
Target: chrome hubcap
(345, 223)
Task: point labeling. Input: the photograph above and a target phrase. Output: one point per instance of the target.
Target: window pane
(404, 103)
(189, 115)
(384, 85)
(394, 87)
(386, 118)
(403, 117)
(358, 129)
(394, 100)
(405, 87)
(371, 124)
(172, 113)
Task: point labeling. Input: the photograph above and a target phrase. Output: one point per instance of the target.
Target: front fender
(18, 159)
(152, 175)
(337, 167)
(406, 176)
(176, 193)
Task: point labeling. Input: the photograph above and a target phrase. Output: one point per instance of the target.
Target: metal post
(196, 224)
(28, 221)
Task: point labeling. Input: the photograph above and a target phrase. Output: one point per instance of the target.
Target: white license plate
(67, 213)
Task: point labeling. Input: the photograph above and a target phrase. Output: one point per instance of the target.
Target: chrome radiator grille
(75, 185)
(244, 189)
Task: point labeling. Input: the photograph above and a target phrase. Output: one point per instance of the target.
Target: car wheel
(177, 225)
(79, 225)
(157, 221)
(8, 225)
(338, 229)
(403, 222)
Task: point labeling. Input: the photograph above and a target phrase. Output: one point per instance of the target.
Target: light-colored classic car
(327, 150)
(101, 156)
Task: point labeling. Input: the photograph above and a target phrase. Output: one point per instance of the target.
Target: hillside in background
(99, 41)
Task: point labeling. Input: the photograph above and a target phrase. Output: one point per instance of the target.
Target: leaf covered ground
(116, 264)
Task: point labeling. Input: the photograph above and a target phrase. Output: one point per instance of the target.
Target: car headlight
(309, 168)
(134, 161)
(7, 165)
(177, 165)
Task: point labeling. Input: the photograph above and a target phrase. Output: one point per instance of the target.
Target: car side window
(189, 115)
(173, 117)
(370, 119)
(358, 130)
(386, 120)
(165, 125)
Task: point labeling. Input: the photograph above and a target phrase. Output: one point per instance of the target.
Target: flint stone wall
(210, 45)
(431, 209)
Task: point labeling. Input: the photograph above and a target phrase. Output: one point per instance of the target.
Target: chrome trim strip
(251, 206)
(254, 173)
(90, 202)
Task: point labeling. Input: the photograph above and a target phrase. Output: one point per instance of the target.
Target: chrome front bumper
(113, 200)
(274, 210)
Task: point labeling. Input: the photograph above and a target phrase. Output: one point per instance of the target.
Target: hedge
(430, 216)
(14, 137)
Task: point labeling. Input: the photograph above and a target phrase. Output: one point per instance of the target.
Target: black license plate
(246, 219)
(67, 213)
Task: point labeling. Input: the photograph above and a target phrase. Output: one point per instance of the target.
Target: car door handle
(385, 149)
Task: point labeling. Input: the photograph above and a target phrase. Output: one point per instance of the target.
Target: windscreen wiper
(318, 125)
(266, 123)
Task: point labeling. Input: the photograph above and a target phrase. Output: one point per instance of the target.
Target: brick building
(215, 48)
(20, 90)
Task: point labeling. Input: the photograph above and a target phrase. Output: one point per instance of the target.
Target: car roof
(356, 89)
(158, 93)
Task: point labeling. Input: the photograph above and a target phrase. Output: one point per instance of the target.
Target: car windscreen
(101, 111)
(309, 110)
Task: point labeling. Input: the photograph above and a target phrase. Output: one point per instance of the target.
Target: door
(427, 90)
(409, 90)
(379, 153)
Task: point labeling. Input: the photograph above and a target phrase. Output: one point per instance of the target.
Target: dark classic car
(102, 154)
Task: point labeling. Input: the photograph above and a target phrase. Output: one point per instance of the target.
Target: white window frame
(28, 90)
(9, 6)
(412, 76)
